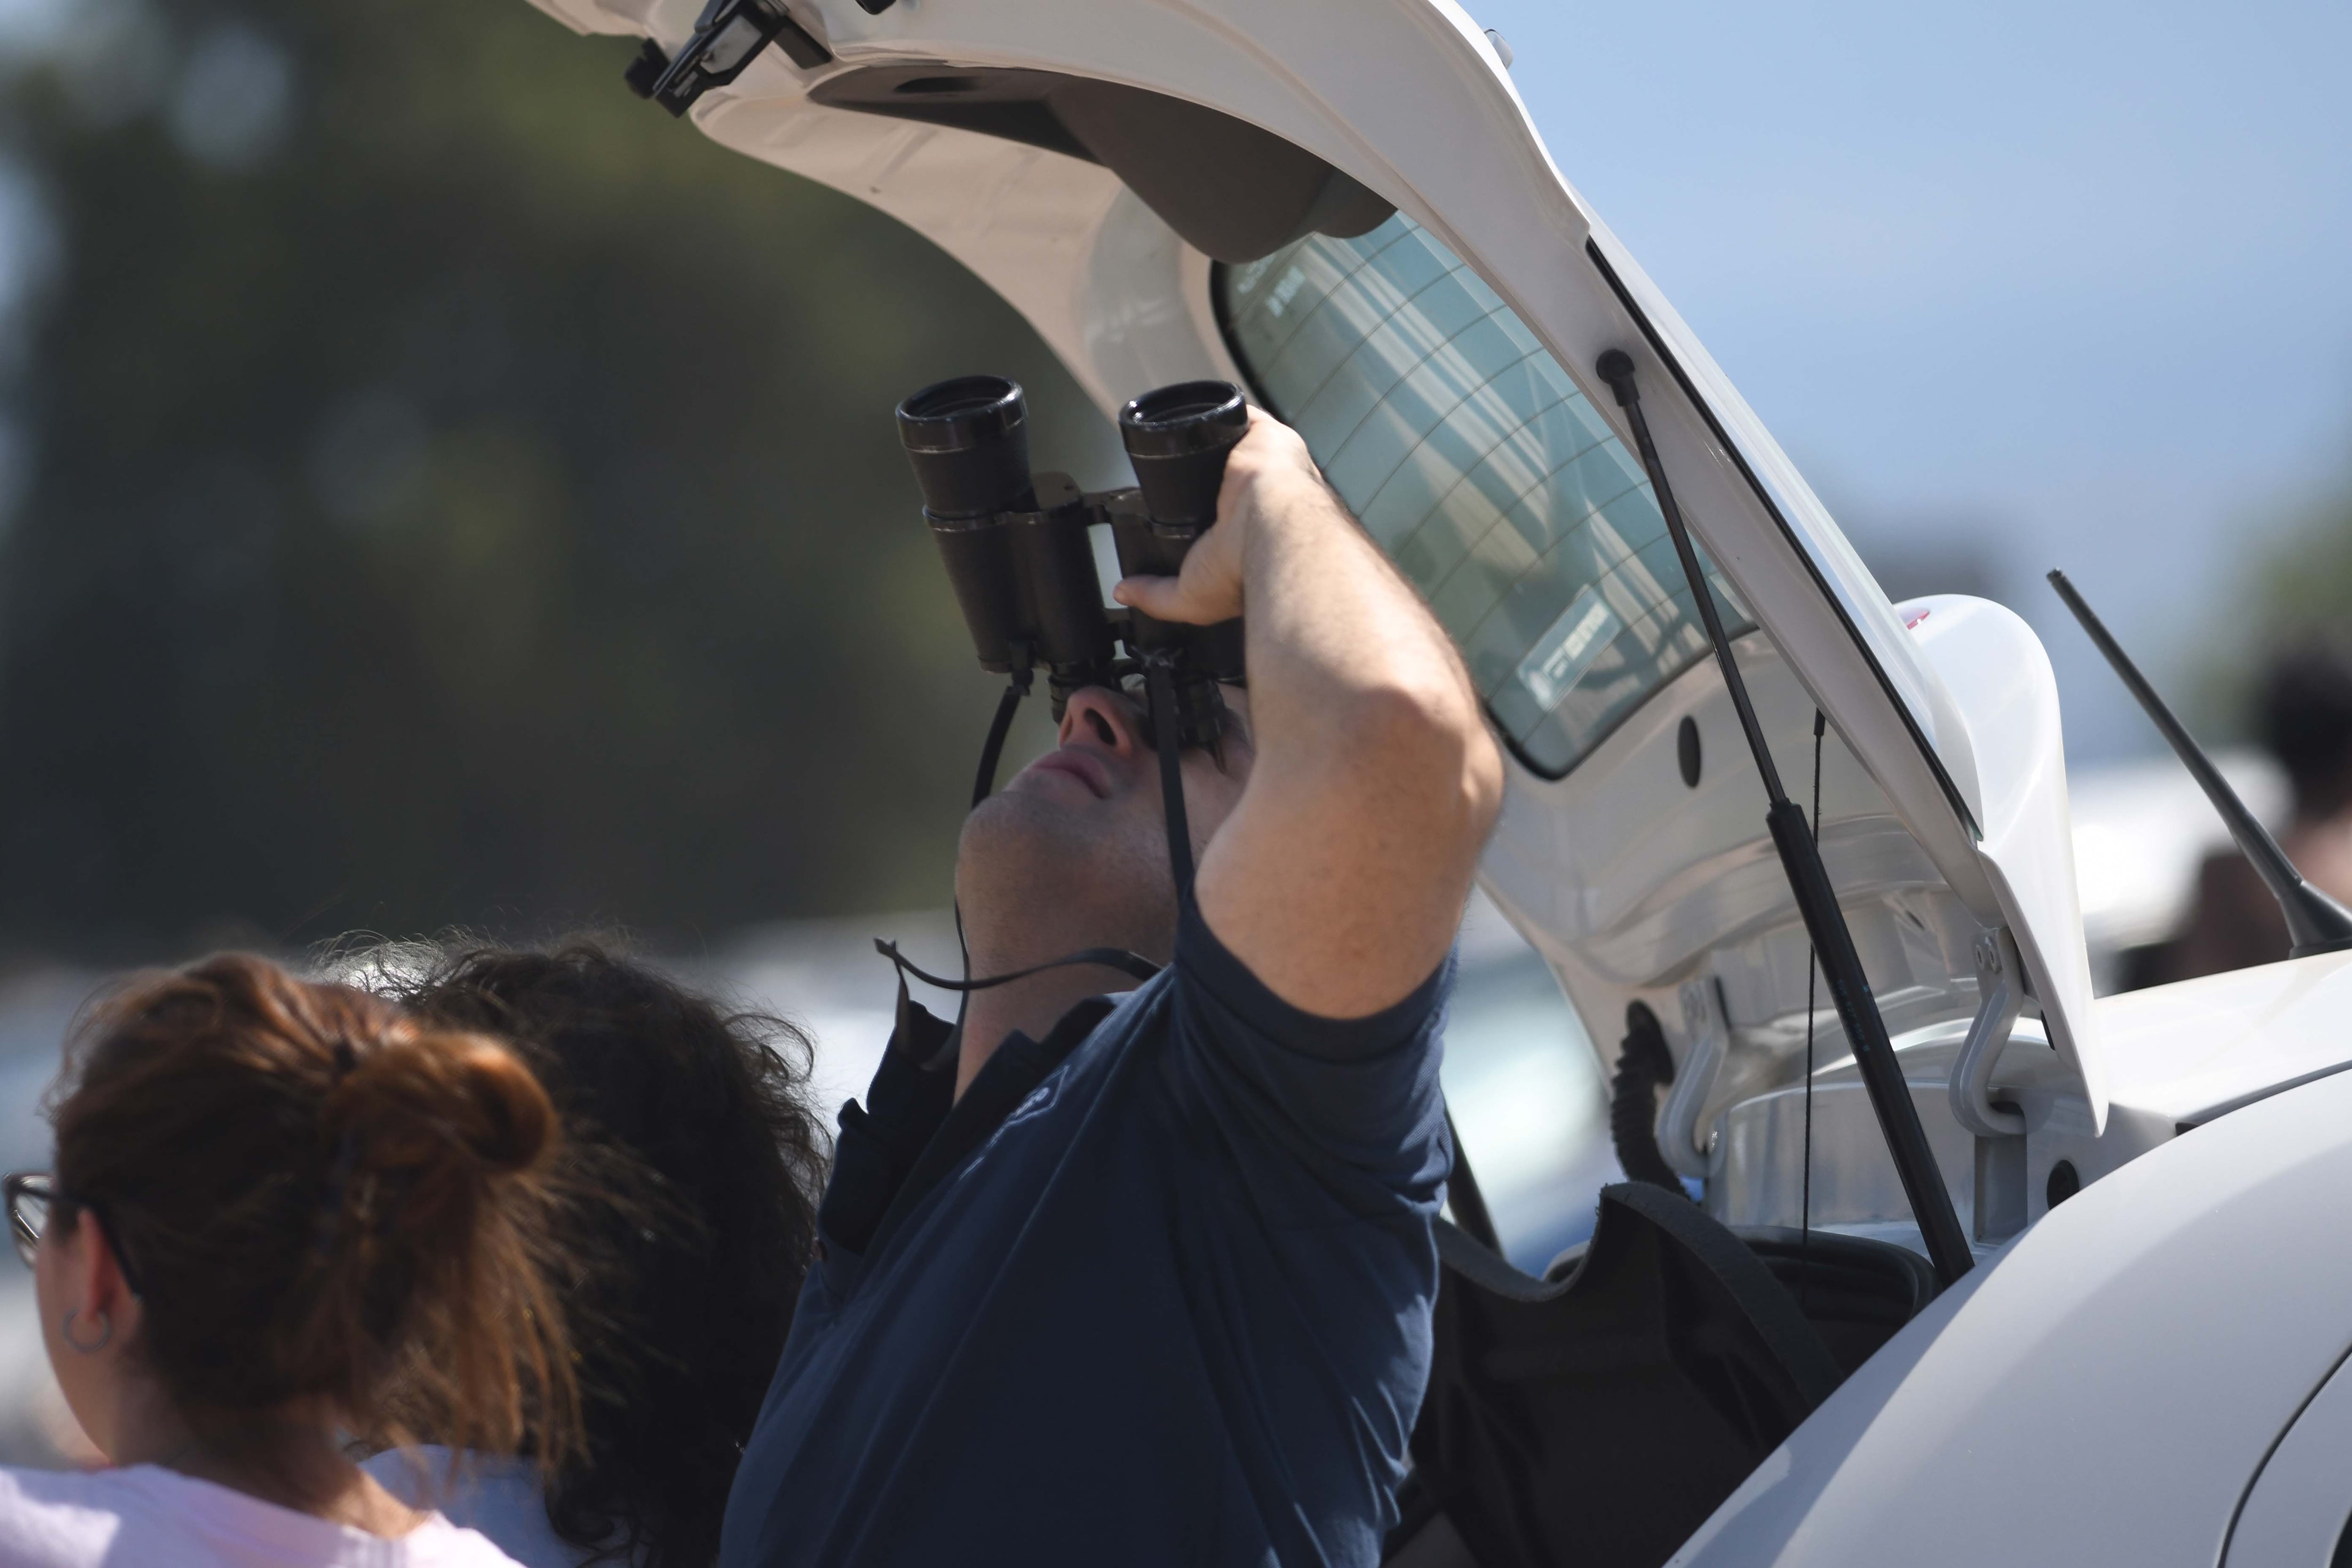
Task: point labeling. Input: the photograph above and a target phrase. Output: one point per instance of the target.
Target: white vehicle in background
(2142, 829)
(1343, 207)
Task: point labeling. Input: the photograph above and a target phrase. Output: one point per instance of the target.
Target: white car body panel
(2294, 1514)
(2192, 1052)
(2106, 1391)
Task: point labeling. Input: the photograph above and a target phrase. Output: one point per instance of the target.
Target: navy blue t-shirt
(1174, 1308)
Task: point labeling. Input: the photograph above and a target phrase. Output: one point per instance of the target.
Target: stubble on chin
(1026, 865)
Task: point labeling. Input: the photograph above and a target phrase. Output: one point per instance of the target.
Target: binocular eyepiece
(1018, 550)
(1177, 438)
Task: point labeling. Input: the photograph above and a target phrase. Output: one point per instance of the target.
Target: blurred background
(438, 489)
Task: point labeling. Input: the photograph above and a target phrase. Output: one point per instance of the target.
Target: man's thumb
(1155, 596)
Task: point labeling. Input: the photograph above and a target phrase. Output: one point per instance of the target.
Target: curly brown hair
(704, 1223)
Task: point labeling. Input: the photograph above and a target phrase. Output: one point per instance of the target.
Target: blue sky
(2074, 279)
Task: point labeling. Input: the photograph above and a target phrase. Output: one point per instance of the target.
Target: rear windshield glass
(1487, 475)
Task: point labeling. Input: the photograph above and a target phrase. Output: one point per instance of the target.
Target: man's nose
(1103, 717)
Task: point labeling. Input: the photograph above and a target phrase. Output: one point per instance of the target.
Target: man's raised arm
(1341, 876)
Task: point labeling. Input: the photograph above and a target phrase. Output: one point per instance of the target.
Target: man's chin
(1025, 846)
(1028, 829)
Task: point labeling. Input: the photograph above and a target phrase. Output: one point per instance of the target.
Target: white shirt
(145, 1514)
(489, 1492)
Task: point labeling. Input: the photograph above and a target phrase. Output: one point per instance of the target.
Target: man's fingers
(1172, 599)
(1162, 598)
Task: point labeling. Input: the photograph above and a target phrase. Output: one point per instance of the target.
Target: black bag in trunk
(1596, 1420)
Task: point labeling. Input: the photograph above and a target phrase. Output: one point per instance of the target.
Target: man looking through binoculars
(1152, 1283)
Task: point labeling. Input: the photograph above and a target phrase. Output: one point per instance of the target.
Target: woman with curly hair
(690, 1122)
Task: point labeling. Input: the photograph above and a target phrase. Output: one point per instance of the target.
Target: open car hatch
(1343, 205)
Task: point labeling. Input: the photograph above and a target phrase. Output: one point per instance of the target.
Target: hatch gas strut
(1800, 859)
(2315, 922)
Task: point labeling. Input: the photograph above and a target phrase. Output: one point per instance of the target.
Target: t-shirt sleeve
(1353, 1101)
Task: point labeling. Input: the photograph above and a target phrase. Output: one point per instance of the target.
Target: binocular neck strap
(1133, 965)
(1159, 679)
(983, 784)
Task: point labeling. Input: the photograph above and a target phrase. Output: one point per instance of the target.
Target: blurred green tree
(455, 491)
(2295, 587)
(2303, 581)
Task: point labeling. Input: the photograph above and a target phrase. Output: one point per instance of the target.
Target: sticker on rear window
(1284, 291)
(1569, 648)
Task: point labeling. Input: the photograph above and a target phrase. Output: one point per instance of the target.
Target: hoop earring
(105, 1333)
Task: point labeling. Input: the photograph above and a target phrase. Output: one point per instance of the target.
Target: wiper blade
(2315, 922)
(1808, 880)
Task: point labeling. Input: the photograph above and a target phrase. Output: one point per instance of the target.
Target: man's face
(1082, 831)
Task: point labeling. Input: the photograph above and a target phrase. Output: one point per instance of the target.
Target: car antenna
(2315, 922)
(1809, 882)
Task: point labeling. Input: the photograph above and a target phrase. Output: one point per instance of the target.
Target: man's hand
(1267, 468)
(1341, 876)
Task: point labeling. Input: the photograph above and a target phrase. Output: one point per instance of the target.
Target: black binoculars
(1018, 550)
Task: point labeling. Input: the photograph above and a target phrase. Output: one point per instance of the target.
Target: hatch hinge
(2001, 996)
(1706, 1024)
(726, 38)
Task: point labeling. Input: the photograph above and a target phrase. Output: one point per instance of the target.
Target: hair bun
(422, 1099)
(517, 1123)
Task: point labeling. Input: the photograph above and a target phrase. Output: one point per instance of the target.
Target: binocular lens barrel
(969, 440)
(1178, 437)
